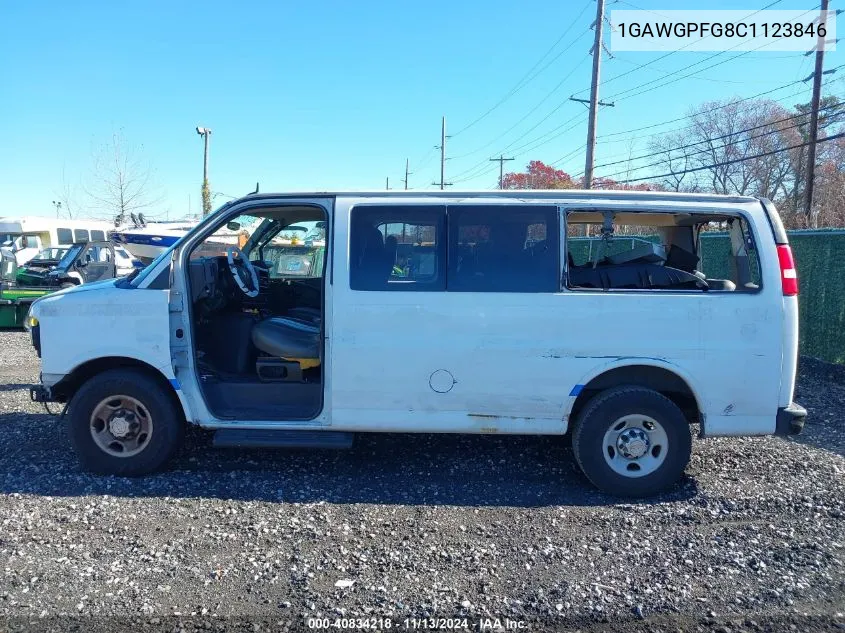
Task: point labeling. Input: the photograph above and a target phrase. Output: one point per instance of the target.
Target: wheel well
(65, 389)
(661, 380)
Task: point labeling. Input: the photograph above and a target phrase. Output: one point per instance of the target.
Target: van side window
(504, 248)
(80, 235)
(397, 248)
(729, 251)
(98, 236)
(648, 250)
(65, 236)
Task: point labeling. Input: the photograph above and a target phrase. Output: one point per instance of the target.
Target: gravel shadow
(387, 469)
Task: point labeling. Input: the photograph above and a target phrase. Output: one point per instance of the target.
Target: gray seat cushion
(287, 338)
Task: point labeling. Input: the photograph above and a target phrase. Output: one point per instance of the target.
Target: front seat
(290, 339)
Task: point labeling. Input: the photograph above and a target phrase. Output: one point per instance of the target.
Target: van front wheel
(632, 441)
(122, 422)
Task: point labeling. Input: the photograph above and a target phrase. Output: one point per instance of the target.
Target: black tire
(168, 425)
(606, 408)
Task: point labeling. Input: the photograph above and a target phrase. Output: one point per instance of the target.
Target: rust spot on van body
(489, 416)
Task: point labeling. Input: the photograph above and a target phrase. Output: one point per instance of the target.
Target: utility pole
(387, 183)
(501, 160)
(206, 190)
(406, 175)
(594, 96)
(442, 147)
(58, 206)
(814, 121)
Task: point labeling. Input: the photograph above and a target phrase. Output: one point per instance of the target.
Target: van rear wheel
(122, 422)
(632, 441)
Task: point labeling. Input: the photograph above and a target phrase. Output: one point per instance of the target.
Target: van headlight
(30, 322)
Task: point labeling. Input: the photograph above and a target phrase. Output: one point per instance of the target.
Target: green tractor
(14, 299)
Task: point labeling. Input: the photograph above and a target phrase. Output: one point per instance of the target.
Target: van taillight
(788, 275)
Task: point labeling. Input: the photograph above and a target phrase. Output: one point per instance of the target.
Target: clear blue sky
(327, 95)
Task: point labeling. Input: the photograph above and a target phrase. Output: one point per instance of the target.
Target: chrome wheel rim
(635, 445)
(121, 426)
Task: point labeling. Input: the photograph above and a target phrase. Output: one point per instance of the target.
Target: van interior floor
(240, 398)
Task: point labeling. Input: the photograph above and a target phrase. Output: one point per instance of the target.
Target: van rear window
(689, 252)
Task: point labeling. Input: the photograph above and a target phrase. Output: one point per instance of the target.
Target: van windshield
(168, 252)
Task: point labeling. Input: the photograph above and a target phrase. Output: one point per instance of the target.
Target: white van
(440, 313)
(25, 237)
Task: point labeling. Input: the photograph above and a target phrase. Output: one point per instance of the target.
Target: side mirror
(233, 226)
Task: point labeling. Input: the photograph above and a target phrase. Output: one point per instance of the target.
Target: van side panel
(509, 362)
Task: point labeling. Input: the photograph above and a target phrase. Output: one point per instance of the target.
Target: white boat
(147, 241)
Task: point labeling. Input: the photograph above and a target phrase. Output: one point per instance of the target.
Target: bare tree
(757, 147)
(673, 157)
(122, 182)
(67, 196)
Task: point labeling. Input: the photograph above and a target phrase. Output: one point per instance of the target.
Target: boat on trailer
(147, 240)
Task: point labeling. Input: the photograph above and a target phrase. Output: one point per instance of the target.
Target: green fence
(820, 259)
(821, 282)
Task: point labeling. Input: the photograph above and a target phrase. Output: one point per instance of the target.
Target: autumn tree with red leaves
(538, 176)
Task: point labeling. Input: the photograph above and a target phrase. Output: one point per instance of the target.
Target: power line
(528, 77)
(542, 138)
(550, 135)
(731, 162)
(528, 114)
(666, 73)
(707, 149)
(707, 111)
(703, 112)
(684, 118)
(640, 87)
(570, 154)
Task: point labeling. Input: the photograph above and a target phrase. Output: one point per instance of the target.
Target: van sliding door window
(504, 248)
(397, 248)
(65, 236)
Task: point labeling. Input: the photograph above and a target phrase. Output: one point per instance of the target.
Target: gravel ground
(398, 527)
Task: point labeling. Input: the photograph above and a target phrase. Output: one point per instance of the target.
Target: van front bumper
(790, 420)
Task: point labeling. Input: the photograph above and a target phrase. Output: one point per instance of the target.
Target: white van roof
(562, 195)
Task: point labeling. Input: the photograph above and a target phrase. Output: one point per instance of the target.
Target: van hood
(94, 285)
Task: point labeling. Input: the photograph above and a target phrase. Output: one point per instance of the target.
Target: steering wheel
(233, 253)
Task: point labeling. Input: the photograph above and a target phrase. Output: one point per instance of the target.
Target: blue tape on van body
(576, 390)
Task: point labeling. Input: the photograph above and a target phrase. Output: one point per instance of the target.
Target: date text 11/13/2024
(417, 624)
